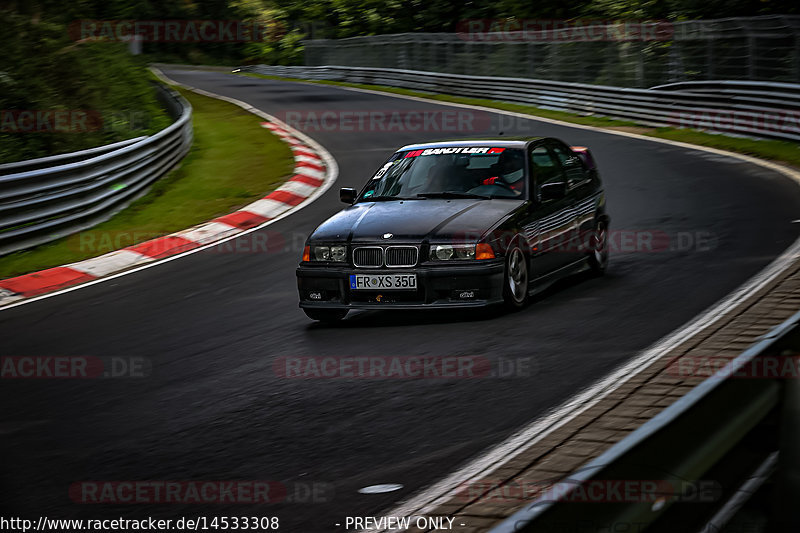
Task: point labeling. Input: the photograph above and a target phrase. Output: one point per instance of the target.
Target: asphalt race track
(212, 325)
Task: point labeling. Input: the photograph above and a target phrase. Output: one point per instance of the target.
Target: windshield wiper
(447, 194)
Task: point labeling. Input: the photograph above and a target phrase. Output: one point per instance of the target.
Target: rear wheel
(515, 288)
(326, 315)
(598, 248)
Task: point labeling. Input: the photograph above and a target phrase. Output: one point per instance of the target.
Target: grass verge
(233, 161)
(778, 151)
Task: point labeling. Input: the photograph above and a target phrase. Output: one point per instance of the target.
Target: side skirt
(541, 283)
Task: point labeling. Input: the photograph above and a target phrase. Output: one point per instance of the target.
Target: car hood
(415, 220)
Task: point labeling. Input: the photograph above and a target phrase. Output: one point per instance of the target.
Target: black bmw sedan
(458, 224)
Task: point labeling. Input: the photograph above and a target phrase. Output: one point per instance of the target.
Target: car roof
(508, 142)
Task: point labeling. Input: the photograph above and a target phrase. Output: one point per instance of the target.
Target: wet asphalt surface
(212, 325)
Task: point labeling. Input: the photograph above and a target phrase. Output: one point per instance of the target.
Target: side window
(572, 164)
(544, 167)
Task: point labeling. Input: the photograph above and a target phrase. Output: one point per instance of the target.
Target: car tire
(515, 280)
(598, 248)
(328, 316)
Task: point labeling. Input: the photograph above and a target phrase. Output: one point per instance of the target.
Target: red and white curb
(315, 171)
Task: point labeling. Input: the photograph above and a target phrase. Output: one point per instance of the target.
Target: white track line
(425, 501)
(443, 490)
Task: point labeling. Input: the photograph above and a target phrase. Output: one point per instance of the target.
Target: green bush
(105, 89)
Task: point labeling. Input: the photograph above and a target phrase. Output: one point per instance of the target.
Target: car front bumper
(440, 286)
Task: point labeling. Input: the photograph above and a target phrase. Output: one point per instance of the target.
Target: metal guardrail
(703, 435)
(48, 198)
(761, 110)
(779, 96)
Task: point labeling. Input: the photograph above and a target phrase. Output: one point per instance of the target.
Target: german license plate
(383, 282)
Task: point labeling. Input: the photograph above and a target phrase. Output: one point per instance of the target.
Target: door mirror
(553, 191)
(347, 195)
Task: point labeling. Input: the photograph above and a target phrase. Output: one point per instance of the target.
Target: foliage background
(41, 68)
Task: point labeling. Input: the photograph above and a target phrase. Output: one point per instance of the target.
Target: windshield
(457, 172)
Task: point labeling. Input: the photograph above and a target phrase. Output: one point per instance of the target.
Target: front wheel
(327, 316)
(515, 288)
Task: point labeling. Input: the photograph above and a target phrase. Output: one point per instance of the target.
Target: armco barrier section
(44, 199)
(701, 437)
(753, 109)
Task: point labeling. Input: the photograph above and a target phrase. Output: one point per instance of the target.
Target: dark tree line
(295, 20)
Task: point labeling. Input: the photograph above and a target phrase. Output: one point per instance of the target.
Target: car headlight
(321, 253)
(336, 253)
(339, 253)
(445, 252)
